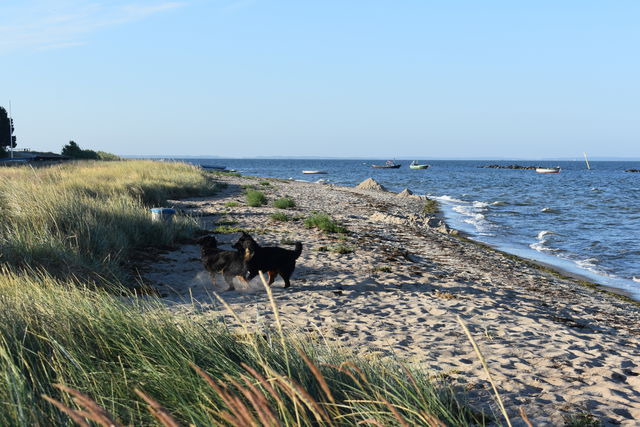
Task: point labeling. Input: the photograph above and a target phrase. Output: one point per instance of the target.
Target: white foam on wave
(449, 199)
(541, 235)
(591, 264)
(636, 279)
(541, 244)
(548, 210)
(499, 203)
(473, 214)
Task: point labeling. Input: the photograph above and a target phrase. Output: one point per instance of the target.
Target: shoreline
(579, 279)
(395, 288)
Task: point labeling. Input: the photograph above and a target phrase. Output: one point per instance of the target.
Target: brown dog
(229, 263)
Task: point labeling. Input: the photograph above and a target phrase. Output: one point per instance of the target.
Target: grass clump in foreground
(56, 331)
(279, 216)
(88, 218)
(324, 222)
(284, 203)
(232, 204)
(255, 198)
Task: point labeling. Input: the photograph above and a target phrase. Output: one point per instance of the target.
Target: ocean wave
(591, 264)
(588, 263)
(473, 215)
(541, 235)
(449, 199)
(542, 244)
(636, 279)
(540, 247)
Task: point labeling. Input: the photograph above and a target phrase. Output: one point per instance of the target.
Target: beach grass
(255, 198)
(324, 222)
(280, 216)
(284, 203)
(87, 219)
(59, 332)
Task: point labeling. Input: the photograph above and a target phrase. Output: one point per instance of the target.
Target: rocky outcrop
(433, 223)
(405, 193)
(441, 226)
(370, 184)
(632, 170)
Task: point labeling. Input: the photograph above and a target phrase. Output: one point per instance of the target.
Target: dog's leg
(243, 280)
(272, 277)
(229, 279)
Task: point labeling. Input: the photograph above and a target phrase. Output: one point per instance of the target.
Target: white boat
(548, 170)
(314, 172)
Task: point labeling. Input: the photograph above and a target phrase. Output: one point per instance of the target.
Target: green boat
(416, 165)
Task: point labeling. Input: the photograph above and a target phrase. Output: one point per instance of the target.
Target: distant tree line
(7, 139)
(73, 150)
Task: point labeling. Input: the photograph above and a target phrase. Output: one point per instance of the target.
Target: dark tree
(7, 139)
(74, 151)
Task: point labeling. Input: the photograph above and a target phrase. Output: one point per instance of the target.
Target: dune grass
(280, 216)
(57, 332)
(284, 203)
(255, 198)
(88, 218)
(324, 222)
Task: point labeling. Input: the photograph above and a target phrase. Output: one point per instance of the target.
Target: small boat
(390, 164)
(213, 168)
(416, 165)
(314, 172)
(548, 170)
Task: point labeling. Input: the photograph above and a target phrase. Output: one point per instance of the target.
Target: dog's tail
(298, 250)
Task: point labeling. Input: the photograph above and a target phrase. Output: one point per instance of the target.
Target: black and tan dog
(229, 263)
(270, 259)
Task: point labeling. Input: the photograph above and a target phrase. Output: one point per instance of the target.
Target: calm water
(584, 221)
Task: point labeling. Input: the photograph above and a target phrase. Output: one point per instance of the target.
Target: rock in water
(370, 184)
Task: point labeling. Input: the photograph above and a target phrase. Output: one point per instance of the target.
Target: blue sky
(426, 79)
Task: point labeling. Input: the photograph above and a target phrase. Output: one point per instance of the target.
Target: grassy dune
(86, 218)
(65, 226)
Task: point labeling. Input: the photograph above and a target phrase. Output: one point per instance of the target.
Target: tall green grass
(56, 332)
(87, 218)
(255, 198)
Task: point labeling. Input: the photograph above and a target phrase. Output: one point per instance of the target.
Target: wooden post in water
(585, 159)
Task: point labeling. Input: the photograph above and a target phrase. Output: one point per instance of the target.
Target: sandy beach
(555, 347)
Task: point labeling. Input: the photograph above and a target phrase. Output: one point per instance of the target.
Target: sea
(582, 221)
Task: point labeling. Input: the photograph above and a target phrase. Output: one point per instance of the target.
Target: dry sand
(555, 347)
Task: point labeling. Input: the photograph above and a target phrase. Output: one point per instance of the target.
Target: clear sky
(343, 78)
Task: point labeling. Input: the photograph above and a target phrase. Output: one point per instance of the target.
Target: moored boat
(314, 172)
(416, 165)
(548, 170)
(213, 167)
(390, 164)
